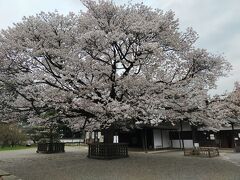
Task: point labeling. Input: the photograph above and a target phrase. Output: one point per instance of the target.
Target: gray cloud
(12, 11)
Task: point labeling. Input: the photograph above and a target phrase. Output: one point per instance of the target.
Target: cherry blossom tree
(229, 106)
(234, 104)
(111, 65)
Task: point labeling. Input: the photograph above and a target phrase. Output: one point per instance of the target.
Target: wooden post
(193, 135)
(179, 139)
(145, 145)
(143, 139)
(161, 137)
(181, 129)
(171, 139)
(233, 132)
(146, 142)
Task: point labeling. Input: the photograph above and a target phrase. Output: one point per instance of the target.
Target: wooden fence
(50, 147)
(107, 151)
(202, 151)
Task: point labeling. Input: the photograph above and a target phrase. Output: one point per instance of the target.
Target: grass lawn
(14, 148)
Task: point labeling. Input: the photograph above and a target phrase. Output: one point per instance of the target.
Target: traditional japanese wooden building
(166, 136)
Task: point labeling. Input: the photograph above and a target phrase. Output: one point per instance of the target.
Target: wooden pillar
(233, 138)
(220, 139)
(144, 139)
(179, 139)
(193, 134)
(181, 129)
(161, 137)
(171, 139)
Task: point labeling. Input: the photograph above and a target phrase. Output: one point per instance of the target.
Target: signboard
(212, 137)
(196, 145)
(101, 139)
(115, 139)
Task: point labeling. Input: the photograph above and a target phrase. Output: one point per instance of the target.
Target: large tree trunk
(108, 135)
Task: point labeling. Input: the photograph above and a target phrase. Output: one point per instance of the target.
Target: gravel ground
(74, 165)
(231, 157)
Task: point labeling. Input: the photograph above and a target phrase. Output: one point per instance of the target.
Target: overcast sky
(216, 21)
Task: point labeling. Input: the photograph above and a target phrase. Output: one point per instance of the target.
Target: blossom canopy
(111, 65)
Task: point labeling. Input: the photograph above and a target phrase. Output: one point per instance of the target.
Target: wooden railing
(209, 151)
(237, 146)
(50, 147)
(107, 151)
(202, 151)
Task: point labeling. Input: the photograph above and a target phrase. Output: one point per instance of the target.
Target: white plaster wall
(176, 143)
(166, 139)
(187, 143)
(157, 138)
